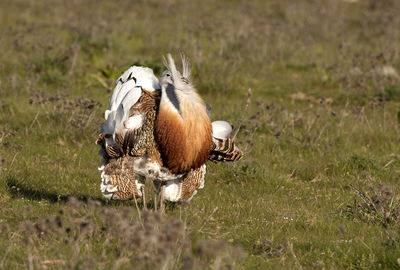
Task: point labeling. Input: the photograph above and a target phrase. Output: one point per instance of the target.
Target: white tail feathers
(126, 93)
(135, 76)
(221, 129)
(124, 89)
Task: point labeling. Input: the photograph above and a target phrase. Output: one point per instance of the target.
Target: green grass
(322, 115)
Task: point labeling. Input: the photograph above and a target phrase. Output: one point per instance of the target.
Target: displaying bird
(159, 130)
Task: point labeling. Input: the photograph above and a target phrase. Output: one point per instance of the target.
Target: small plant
(379, 206)
(266, 248)
(358, 163)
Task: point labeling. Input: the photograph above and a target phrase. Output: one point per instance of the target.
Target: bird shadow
(20, 189)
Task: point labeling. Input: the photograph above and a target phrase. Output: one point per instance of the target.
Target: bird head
(176, 87)
(166, 78)
(181, 81)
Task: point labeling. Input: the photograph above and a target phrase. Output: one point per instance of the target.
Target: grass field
(314, 87)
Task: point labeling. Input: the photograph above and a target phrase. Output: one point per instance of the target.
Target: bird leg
(162, 202)
(155, 202)
(144, 198)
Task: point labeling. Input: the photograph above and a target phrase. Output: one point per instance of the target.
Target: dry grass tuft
(93, 236)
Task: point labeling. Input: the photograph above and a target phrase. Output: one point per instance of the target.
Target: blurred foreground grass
(313, 85)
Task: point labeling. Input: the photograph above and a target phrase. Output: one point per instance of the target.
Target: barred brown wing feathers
(130, 143)
(109, 151)
(191, 183)
(120, 181)
(136, 142)
(113, 152)
(224, 150)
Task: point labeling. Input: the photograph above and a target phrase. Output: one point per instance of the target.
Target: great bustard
(159, 130)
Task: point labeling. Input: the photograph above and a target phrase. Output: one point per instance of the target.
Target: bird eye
(168, 74)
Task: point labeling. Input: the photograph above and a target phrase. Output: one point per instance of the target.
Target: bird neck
(185, 134)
